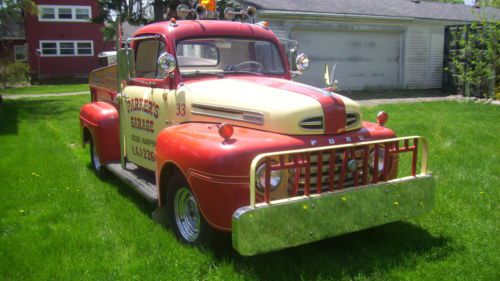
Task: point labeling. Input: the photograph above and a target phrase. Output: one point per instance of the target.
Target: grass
(45, 89)
(58, 221)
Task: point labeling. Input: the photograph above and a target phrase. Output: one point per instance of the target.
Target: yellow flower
(344, 199)
(396, 203)
(305, 207)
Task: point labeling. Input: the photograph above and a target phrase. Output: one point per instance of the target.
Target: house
(12, 38)
(379, 44)
(62, 41)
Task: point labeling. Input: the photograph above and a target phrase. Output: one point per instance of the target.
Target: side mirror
(167, 62)
(302, 62)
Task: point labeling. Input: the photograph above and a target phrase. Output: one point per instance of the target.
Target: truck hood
(270, 104)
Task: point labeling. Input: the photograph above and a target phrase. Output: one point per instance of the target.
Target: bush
(13, 74)
(476, 60)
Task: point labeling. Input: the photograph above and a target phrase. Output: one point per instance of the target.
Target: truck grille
(347, 177)
(313, 123)
(329, 169)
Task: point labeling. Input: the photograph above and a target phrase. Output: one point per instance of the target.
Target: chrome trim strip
(143, 38)
(319, 122)
(228, 113)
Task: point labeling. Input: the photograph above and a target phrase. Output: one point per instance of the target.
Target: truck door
(145, 103)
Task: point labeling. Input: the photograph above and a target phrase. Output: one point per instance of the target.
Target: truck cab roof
(184, 29)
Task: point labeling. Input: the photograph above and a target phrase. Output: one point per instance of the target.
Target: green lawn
(45, 89)
(58, 221)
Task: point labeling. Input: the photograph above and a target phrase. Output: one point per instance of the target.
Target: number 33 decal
(181, 109)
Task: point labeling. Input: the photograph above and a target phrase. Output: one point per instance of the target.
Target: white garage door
(365, 59)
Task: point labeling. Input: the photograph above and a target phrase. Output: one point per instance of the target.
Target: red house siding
(70, 65)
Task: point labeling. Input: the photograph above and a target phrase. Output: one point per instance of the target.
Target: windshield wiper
(243, 72)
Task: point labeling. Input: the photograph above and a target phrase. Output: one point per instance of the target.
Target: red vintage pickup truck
(202, 118)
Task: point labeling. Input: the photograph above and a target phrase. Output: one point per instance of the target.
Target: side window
(146, 59)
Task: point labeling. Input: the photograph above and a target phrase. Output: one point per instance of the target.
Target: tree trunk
(158, 10)
(4, 78)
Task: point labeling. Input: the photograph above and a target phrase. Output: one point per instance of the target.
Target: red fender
(218, 171)
(102, 120)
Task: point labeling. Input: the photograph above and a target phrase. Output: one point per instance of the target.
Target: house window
(84, 48)
(47, 13)
(66, 48)
(82, 14)
(20, 53)
(49, 48)
(64, 13)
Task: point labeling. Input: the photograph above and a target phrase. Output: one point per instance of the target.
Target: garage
(365, 59)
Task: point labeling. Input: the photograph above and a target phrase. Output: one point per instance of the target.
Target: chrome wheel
(187, 215)
(96, 164)
(95, 159)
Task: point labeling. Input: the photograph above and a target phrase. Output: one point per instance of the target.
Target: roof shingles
(386, 8)
(11, 26)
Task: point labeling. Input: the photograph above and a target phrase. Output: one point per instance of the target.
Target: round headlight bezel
(276, 177)
(381, 160)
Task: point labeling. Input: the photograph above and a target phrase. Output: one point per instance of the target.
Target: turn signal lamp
(226, 131)
(173, 22)
(209, 4)
(382, 118)
(264, 24)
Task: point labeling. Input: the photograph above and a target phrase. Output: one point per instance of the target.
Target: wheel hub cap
(187, 215)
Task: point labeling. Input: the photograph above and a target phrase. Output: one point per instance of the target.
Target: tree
(145, 11)
(11, 11)
(18, 6)
(133, 11)
(475, 62)
(137, 12)
(481, 3)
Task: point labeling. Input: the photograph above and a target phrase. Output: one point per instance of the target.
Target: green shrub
(476, 60)
(14, 74)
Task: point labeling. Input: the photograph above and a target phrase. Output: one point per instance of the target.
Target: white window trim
(25, 52)
(56, 13)
(58, 48)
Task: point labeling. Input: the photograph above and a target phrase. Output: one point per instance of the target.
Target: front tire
(184, 215)
(97, 166)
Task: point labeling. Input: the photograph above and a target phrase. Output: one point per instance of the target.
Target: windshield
(226, 55)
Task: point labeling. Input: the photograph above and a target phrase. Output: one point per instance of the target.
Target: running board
(138, 178)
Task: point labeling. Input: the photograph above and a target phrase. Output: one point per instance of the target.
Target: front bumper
(300, 220)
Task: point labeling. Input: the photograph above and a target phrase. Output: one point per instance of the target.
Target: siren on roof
(183, 11)
(207, 9)
(250, 13)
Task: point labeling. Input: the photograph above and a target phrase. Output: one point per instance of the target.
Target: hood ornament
(331, 83)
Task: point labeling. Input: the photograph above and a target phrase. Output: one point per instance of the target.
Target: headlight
(276, 177)
(381, 158)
